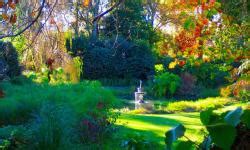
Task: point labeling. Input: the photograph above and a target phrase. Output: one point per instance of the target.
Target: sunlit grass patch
(154, 126)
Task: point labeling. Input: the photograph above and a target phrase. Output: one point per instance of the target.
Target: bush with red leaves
(240, 90)
(188, 86)
(49, 63)
(94, 128)
(185, 40)
(97, 124)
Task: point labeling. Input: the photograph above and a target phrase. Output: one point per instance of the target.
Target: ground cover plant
(195, 106)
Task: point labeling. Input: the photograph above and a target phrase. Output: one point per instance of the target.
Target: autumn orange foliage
(1, 4)
(13, 19)
(86, 3)
(5, 17)
(12, 5)
(185, 40)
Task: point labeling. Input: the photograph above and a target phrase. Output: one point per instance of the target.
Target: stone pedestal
(139, 99)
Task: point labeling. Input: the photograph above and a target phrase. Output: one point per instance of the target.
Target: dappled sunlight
(159, 124)
(155, 125)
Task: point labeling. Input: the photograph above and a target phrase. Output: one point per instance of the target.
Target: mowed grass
(154, 126)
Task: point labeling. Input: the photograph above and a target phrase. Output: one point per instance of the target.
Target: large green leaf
(222, 135)
(173, 134)
(233, 117)
(246, 118)
(205, 116)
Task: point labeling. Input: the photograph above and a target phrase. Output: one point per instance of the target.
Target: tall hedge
(9, 60)
(118, 59)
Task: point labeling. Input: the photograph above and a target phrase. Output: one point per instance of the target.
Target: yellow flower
(159, 67)
(172, 64)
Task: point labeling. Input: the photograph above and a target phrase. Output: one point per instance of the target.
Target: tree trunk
(76, 27)
(96, 4)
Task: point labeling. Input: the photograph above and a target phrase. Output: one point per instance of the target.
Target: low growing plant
(192, 106)
(136, 141)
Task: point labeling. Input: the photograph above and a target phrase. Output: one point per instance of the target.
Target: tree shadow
(155, 140)
(155, 126)
(164, 119)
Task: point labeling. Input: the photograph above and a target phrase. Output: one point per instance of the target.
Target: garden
(124, 75)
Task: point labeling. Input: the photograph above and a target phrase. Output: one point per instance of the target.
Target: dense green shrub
(198, 81)
(17, 108)
(76, 45)
(97, 63)
(59, 113)
(118, 82)
(210, 75)
(165, 84)
(119, 58)
(207, 74)
(9, 57)
(203, 92)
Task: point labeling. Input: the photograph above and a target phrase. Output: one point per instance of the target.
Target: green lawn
(154, 126)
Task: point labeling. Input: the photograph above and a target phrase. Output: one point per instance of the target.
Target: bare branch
(28, 26)
(98, 17)
(41, 27)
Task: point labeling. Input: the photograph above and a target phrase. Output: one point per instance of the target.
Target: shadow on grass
(155, 126)
(156, 141)
(164, 120)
